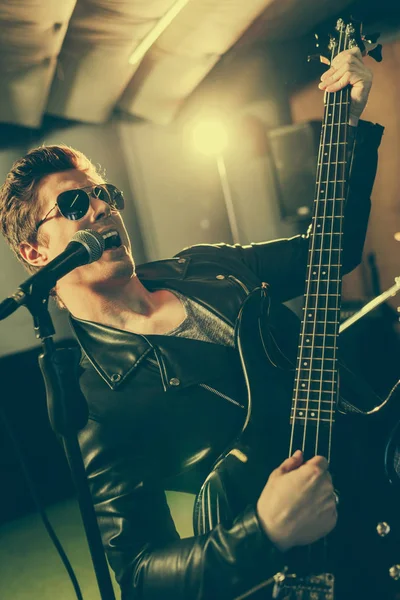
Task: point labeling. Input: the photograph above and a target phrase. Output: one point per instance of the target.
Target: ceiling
(81, 59)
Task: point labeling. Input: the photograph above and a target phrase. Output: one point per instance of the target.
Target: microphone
(85, 247)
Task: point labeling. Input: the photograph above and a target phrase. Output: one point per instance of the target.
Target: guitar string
(332, 115)
(315, 270)
(312, 323)
(305, 321)
(344, 103)
(334, 108)
(295, 420)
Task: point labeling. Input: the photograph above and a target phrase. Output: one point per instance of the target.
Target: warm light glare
(210, 137)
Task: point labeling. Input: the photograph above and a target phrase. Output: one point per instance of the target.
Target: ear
(34, 254)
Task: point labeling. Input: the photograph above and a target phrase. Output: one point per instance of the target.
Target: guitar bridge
(312, 587)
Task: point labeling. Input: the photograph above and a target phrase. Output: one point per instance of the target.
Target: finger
(319, 461)
(291, 463)
(352, 65)
(352, 75)
(346, 79)
(350, 55)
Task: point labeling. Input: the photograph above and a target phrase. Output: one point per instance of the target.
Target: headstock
(348, 35)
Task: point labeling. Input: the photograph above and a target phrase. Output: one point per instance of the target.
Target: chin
(123, 270)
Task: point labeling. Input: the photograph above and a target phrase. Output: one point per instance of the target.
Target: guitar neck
(316, 381)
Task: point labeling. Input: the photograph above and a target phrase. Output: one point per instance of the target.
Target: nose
(98, 208)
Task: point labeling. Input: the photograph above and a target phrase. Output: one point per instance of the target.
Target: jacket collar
(117, 354)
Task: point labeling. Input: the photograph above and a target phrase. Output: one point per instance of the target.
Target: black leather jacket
(163, 408)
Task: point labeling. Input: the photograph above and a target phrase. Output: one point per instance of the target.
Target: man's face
(57, 232)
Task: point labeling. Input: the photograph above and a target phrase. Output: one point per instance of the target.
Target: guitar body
(361, 467)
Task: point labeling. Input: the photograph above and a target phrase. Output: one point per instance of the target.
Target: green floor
(30, 568)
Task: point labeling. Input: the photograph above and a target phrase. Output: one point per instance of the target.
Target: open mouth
(111, 240)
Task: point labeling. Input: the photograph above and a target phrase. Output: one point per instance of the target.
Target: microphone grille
(93, 242)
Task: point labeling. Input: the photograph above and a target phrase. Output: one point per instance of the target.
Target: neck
(120, 306)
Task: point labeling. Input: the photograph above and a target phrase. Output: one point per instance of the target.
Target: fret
(331, 217)
(314, 347)
(325, 201)
(323, 298)
(325, 265)
(319, 328)
(323, 281)
(312, 411)
(297, 418)
(316, 281)
(319, 381)
(332, 96)
(319, 362)
(328, 406)
(319, 321)
(317, 335)
(307, 368)
(321, 308)
(317, 400)
(330, 129)
(330, 189)
(332, 124)
(319, 352)
(329, 233)
(324, 223)
(333, 163)
(331, 181)
(323, 384)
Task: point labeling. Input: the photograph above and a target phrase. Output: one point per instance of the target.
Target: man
(161, 375)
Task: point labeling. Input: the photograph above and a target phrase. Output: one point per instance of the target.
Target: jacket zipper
(206, 387)
(218, 393)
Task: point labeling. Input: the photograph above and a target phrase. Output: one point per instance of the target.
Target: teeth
(110, 233)
(111, 239)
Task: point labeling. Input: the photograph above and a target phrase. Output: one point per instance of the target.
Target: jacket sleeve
(282, 263)
(141, 542)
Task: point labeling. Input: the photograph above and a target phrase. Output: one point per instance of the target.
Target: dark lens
(116, 196)
(73, 204)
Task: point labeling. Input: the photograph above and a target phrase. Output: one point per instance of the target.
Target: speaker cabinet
(294, 153)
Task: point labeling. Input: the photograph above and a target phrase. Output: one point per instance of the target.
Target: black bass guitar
(295, 403)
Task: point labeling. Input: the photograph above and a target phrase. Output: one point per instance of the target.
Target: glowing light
(210, 136)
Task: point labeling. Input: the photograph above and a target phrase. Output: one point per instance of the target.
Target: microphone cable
(38, 504)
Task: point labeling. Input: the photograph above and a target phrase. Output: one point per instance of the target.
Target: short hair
(19, 208)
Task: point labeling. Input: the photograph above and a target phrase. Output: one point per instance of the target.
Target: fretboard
(316, 380)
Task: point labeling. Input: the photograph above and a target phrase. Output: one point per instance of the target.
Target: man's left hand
(348, 68)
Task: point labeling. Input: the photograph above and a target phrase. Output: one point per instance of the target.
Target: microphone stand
(392, 291)
(68, 413)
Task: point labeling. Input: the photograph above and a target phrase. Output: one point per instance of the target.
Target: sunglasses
(74, 204)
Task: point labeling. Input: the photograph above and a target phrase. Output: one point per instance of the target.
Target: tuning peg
(376, 53)
(319, 57)
(372, 38)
